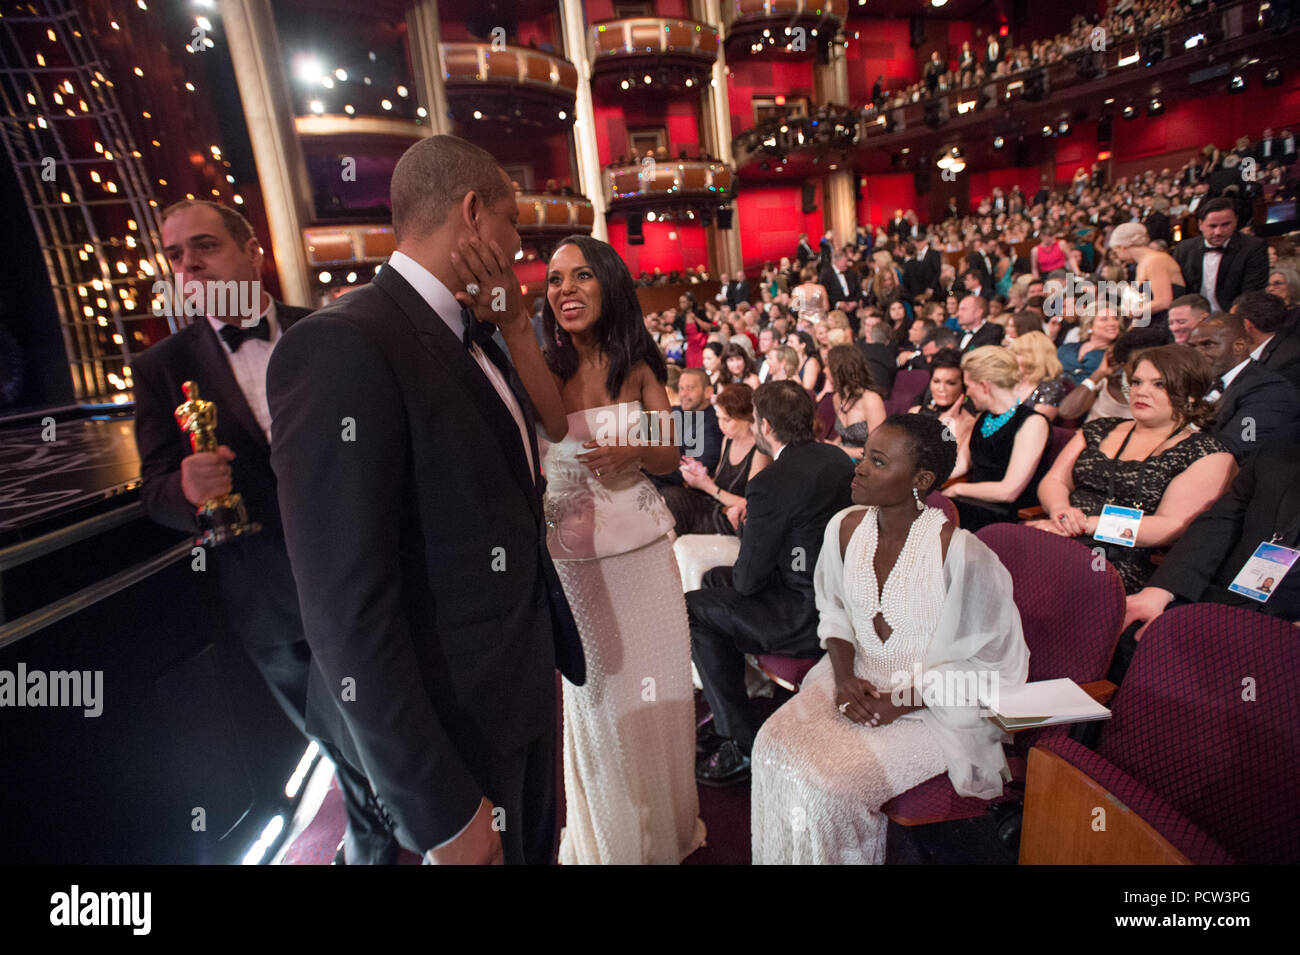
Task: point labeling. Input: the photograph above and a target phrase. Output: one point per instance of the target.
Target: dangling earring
(558, 343)
(917, 497)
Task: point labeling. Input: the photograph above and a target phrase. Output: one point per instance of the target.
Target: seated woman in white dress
(629, 731)
(892, 702)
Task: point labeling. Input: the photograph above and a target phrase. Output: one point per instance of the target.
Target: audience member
(738, 367)
(1278, 351)
(1042, 384)
(1185, 313)
(858, 408)
(977, 331)
(1096, 333)
(764, 604)
(945, 396)
(1220, 263)
(1161, 464)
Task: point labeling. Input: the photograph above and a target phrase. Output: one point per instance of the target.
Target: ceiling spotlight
(1063, 128)
(1156, 106)
(998, 142)
(625, 84)
(1273, 77)
(1130, 112)
(1047, 130)
(647, 79)
(650, 217)
(1237, 84)
(938, 3)
(944, 161)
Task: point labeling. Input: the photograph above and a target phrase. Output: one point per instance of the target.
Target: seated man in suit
(1261, 506)
(738, 290)
(700, 435)
(1219, 263)
(977, 331)
(1263, 316)
(764, 604)
(1256, 409)
(840, 283)
(881, 356)
(227, 355)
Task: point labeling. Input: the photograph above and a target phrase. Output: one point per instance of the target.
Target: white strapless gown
(629, 731)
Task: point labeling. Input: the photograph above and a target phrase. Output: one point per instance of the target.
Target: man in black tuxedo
(764, 604)
(921, 269)
(1275, 348)
(881, 356)
(1219, 263)
(839, 282)
(825, 251)
(1256, 409)
(409, 484)
(992, 53)
(738, 290)
(227, 355)
(898, 228)
(1157, 220)
(804, 252)
(982, 259)
(1263, 501)
(977, 331)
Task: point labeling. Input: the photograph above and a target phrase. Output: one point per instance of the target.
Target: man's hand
(499, 300)
(479, 844)
(206, 475)
(1145, 605)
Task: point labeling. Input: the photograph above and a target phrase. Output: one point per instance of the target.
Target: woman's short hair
(434, 175)
(788, 357)
(737, 401)
(620, 329)
(733, 350)
(809, 343)
(839, 336)
(850, 372)
(1128, 235)
(1291, 278)
(1036, 351)
(1188, 378)
(837, 319)
(1026, 321)
(788, 408)
(992, 363)
(946, 358)
(930, 444)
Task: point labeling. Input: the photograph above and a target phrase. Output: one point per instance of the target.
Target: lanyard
(1114, 466)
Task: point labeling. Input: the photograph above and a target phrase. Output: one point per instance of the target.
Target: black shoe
(340, 858)
(726, 767)
(707, 739)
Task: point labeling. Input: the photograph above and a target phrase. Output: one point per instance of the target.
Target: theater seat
(1052, 578)
(1198, 760)
(908, 383)
(785, 671)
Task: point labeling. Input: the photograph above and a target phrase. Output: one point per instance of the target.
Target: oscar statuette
(221, 518)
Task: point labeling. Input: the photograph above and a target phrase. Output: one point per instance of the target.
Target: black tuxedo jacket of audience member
(709, 438)
(1243, 267)
(788, 505)
(804, 253)
(415, 529)
(738, 292)
(990, 333)
(883, 361)
(1282, 357)
(1259, 410)
(898, 227)
(830, 281)
(1263, 500)
(253, 573)
(921, 274)
(1221, 179)
(975, 263)
(1158, 226)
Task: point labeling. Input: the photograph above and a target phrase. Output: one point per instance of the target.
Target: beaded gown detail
(629, 731)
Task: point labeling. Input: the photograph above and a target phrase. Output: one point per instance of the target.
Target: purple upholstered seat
(908, 383)
(1205, 722)
(786, 671)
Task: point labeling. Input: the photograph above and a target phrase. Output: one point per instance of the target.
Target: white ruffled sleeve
(978, 644)
(833, 618)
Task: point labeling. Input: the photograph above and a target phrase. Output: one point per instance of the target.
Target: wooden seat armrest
(1100, 690)
(1031, 513)
(953, 480)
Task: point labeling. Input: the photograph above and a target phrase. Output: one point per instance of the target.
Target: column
(573, 26)
(424, 34)
(831, 86)
(715, 134)
(268, 114)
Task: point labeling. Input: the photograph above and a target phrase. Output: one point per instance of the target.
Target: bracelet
(1090, 385)
(717, 494)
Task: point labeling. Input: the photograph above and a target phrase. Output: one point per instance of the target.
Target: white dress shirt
(249, 365)
(1227, 377)
(439, 298)
(1258, 353)
(965, 338)
(1210, 276)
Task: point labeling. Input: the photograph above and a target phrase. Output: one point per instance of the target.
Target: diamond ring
(844, 707)
(472, 289)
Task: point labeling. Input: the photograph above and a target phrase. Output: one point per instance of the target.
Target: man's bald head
(1223, 340)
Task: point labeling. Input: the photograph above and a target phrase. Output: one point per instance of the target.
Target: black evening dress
(699, 513)
(989, 457)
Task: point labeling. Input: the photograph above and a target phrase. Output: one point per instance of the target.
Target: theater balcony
(652, 54)
(546, 215)
(508, 86)
(797, 145)
(686, 185)
(787, 28)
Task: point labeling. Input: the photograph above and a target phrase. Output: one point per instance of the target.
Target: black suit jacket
(883, 361)
(416, 534)
(1264, 499)
(1259, 410)
(788, 505)
(990, 333)
(708, 437)
(804, 253)
(832, 285)
(1282, 357)
(738, 292)
(1243, 267)
(1158, 226)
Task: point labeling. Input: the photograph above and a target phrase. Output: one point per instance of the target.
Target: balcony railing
(829, 130)
(617, 41)
(478, 64)
(668, 182)
(546, 212)
(746, 18)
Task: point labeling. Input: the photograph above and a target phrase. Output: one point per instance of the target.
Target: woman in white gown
(629, 732)
(943, 623)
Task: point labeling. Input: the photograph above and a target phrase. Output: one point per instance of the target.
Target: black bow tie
(476, 332)
(236, 335)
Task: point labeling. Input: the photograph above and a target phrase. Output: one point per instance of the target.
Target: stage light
(308, 69)
(1156, 106)
(624, 84)
(1063, 128)
(1273, 77)
(1130, 112)
(998, 142)
(1047, 130)
(1193, 41)
(938, 3)
(1237, 84)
